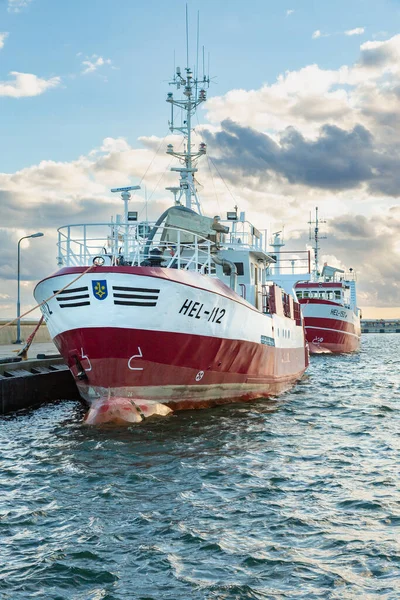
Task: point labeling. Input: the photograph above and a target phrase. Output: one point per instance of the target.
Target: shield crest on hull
(100, 291)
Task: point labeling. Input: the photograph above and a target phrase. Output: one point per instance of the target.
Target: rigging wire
(154, 156)
(226, 185)
(198, 132)
(213, 182)
(209, 159)
(160, 178)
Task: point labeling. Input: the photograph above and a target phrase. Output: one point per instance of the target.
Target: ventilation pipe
(233, 270)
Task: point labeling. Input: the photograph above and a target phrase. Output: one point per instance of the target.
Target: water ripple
(291, 499)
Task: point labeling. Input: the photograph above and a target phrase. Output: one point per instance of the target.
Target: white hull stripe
(335, 330)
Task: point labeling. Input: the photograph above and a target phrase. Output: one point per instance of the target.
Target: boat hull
(180, 370)
(165, 336)
(330, 327)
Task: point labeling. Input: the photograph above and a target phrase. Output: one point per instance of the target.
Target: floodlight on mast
(126, 196)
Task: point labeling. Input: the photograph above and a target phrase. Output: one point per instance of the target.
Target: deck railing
(288, 262)
(126, 244)
(243, 235)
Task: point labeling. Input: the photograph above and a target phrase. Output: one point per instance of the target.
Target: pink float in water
(122, 411)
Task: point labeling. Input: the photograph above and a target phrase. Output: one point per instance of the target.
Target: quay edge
(32, 382)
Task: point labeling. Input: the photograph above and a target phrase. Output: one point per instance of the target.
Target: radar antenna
(317, 237)
(194, 92)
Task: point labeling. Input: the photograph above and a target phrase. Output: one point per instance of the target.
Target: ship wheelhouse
(335, 287)
(232, 251)
(336, 293)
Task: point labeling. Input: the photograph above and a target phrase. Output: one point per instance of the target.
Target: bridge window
(239, 266)
(337, 295)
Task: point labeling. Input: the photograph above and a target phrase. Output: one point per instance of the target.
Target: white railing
(141, 244)
(348, 276)
(243, 235)
(290, 263)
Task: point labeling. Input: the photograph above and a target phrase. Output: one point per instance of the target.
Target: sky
(303, 110)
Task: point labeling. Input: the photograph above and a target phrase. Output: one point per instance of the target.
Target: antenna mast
(317, 237)
(194, 91)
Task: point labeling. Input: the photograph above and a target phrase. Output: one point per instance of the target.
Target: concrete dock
(380, 326)
(8, 334)
(36, 348)
(31, 382)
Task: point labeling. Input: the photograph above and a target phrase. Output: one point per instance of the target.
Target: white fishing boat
(327, 296)
(176, 314)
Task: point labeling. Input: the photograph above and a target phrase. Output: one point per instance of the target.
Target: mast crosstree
(317, 237)
(194, 93)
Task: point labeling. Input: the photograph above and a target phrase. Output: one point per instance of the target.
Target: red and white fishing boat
(176, 314)
(328, 299)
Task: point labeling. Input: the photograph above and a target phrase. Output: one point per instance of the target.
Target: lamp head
(39, 234)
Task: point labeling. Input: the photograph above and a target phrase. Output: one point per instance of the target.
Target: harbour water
(296, 498)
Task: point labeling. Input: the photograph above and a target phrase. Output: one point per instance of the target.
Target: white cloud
(316, 121)
(356, 31)
(318, 34)
(51, 194)
(289, 12)
(94, 62)
(295, 111)
(114, 145)
(26, 85)
(17, 5)
(3, 37)
(366, 92)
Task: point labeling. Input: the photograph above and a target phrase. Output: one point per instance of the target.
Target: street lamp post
(34, 235)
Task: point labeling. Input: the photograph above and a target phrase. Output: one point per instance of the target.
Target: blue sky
(249, 42)
(304, 110)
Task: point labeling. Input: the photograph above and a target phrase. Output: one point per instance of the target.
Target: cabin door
(257, 287)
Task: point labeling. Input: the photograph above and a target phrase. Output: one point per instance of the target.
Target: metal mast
(194, 91)
(277, 243)
(317, 237)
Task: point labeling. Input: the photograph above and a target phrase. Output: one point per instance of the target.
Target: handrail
(79, 244)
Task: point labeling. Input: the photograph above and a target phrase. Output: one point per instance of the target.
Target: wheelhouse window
(337, 294)
(240, 269)
(239, 266)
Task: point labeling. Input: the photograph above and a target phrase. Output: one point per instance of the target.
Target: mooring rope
(23, 353)
(49, 298)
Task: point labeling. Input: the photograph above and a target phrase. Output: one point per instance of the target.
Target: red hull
(331, 336)
(180, 370)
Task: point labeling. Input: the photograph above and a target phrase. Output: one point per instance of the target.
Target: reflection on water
(295, 498)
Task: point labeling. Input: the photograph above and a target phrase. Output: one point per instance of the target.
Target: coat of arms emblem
(100, 289)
